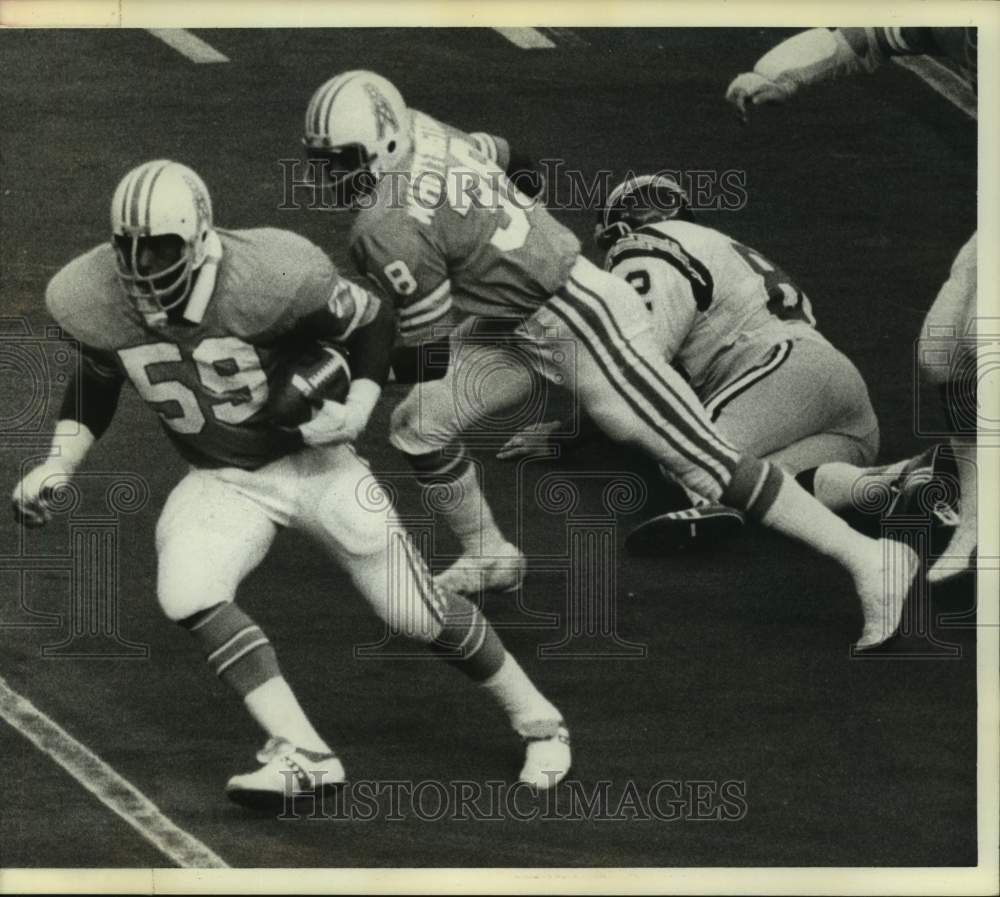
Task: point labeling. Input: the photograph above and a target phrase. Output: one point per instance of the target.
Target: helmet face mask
(342, 174)
(161, 221)
(155, 272)
(638, 201)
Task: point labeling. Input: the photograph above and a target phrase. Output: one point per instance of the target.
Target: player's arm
(807, 58)
(520, 168)
(88, 407)
(365, 326)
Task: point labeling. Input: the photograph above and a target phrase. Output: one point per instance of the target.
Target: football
(305, 382)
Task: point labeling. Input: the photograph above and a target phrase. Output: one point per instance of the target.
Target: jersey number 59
(227, 367)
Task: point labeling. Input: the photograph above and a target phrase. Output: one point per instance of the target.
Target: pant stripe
(689, 416)
(425, 584)
(570, 315)
(775, 359)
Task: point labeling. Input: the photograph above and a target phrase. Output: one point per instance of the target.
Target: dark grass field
(864, 194)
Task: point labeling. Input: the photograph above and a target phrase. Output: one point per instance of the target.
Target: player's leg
(369, 541)
(427, 428)
(210, 536)
(951, 324)
(797, 403)
(623, 384)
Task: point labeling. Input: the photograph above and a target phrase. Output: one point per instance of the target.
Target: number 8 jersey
(207, 381)
(448, 227)
(706, 291)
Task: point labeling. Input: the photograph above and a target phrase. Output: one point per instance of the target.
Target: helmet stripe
(326, 104)
(127, 195)
(149, 192)
(136, 189)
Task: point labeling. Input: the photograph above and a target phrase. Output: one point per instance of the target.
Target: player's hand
(33, 496)
(753, 89)
(333, 424)
(529, 440)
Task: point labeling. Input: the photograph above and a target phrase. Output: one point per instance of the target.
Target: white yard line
(188, 44)
(526, 38)
(942, 80)
(104, 783)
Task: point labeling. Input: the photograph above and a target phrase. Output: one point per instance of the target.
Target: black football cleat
(694, 529)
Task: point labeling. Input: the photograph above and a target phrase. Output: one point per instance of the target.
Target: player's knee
(183, 592)
(406, 431)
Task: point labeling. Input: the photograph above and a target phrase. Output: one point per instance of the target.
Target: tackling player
(438, 222)
(822, 54)
(744, 337)
(200, 320)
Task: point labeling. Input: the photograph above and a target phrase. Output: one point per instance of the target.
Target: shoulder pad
(87, 301)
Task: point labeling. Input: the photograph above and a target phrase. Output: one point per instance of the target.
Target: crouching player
(200, 320)
(744, 337)
(824, 54)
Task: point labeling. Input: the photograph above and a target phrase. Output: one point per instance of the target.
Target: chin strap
(204, 285)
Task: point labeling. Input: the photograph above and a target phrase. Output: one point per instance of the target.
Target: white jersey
(706, 291)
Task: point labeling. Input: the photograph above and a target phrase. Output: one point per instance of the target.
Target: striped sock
(468, 641)
(235, 647)
(754, 487)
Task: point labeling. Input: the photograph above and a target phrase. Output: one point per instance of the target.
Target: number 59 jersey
(449, 227)
(705, 291)
(208, 381)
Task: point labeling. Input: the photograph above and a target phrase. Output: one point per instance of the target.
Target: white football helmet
(156, 199)
(357, 122)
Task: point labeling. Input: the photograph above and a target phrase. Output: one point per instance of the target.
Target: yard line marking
(942, 80)
(188, 44)
(526, 38)
(566, 37)
(104, 783)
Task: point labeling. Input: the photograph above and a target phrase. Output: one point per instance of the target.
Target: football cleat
(693, 529)
(287, 774)
(883, 591)
(471, 574)
(547, 755)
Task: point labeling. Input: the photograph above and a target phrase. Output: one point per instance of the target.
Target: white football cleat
(501, 571)
(288, 774)
(547, 756)
(883, 591)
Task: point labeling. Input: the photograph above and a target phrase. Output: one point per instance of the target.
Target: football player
(438, 223)
(201, 321)
(744, 337)
(822, 54)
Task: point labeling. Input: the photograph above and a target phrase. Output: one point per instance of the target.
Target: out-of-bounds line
(188, 44)
(104, 783)
(942, 80)
(526, 38)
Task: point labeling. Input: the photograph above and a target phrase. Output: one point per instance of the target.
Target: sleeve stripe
(360, 309)
(415, 323)
(428, 302)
